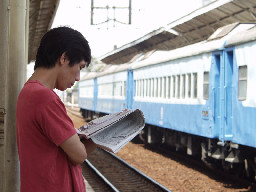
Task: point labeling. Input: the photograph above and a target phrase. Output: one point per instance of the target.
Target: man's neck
(46, 76)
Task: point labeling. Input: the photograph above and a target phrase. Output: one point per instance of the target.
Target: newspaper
(114, 131)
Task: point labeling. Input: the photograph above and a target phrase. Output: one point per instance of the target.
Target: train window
(189, 85)
(194, 85)
(86, 91)
(160, 87)
(164, 87)
(117, 88)
(142, 88)
(105, 89)
(149, 87)
(121, 88)
(156, 86)
(242, 83)
(114, 89)
(206, 86)
(183, 86)
(153, 87)
(173, 86)
(178, 86)
(125, 88)
(169, 88)
(146, 87)
(138, 87)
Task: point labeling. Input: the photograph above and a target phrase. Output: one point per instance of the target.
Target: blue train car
(199, 99)
(104, 92)
(112, 89)
(87, 94)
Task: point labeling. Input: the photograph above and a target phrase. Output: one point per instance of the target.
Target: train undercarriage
(228, 156)
(231, 157)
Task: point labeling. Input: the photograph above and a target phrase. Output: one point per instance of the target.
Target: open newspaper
(114, 131)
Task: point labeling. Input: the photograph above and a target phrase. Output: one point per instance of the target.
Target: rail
(122, 175)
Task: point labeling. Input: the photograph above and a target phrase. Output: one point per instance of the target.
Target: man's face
(69, 75)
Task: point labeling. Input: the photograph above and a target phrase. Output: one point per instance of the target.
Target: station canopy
(194, 27)
(41, 15)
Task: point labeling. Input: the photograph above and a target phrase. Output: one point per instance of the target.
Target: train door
(228, 93)
(215, 94)
(129, 89)
(95, 94)
(222, 94)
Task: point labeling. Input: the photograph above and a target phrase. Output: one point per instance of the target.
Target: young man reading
(50, 150)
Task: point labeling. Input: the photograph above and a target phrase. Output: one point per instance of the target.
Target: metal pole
(26, 38)
(130, 11)
(92, 10)
(3, 79)
(15, 80)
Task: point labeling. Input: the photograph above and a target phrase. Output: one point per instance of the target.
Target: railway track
(212, 179)
(105, 171)
(95, 181)
(119, 175)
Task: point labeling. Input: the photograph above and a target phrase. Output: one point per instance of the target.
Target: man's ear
(63, 59)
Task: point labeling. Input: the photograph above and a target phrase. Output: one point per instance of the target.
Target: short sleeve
(55, 122)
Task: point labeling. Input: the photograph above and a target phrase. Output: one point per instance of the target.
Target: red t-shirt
(42, 125)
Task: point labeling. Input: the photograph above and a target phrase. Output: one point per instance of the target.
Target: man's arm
(74, 149)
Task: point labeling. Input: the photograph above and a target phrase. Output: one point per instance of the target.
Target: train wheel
(250, 169)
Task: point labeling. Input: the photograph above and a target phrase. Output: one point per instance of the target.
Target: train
(199, 99)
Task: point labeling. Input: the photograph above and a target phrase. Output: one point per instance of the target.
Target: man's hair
(62, 40)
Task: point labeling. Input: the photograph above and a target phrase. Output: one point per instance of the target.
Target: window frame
(242, 79)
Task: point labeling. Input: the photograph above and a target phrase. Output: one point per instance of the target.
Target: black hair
(62, 40)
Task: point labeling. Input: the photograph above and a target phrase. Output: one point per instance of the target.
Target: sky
(147, 15)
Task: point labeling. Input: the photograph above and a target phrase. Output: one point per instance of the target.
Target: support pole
(15, 80)
(3, 79)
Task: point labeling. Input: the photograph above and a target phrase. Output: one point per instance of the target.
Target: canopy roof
(41, 15)
(192, 28)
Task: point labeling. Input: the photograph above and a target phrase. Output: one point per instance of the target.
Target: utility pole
(111, 13)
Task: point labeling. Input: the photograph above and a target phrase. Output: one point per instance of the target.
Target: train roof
(224, 36)
(114, 69)
(246, 36)
(108, 69)
(89, 75)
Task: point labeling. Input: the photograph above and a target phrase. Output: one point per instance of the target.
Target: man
(49, 149)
